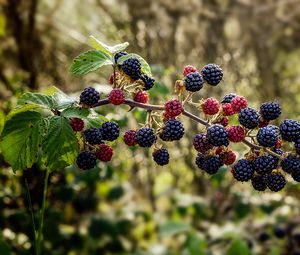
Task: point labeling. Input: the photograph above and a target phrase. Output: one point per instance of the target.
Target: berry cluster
(227, 122)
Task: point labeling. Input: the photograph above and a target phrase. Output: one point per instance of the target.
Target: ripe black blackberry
(259, 182)
(173, 130)
(161, 157)
(276, 182)
(212, 164)
(89, 96)
(290, 164)
(132, 67)
(249, 118)
(296, 175)
(86, 160)
(212, 74)
(200, 160)
(120, 54)
(93, 136)
(201, 144)
(228, 97)
(145, 137)
(148, 81)
(297, 145)
(264, 164)
(290, 130)
(110, 131)
(267, 136)
(279, 232)
(243, 170)
(193, 82)
(217, 135)
(270, 110)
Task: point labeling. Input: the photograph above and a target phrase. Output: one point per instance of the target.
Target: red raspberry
(116, 96)
(228, 157)
(189, 69)
(104, 153)
(210, 106)
(172, 108)
(227, 109)
(224, 122)
(141, 97)
(77, 124)
(238, 103)
(236, 133)
(129, 138)
(263, 123)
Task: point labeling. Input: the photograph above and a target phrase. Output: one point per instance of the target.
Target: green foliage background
(131, 206)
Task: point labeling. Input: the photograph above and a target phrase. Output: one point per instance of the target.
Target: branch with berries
(265, 164)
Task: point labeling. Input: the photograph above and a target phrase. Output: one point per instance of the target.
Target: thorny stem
(151, 107)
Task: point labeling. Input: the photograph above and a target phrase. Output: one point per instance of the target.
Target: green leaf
(144, 65)
(95, 121)
(195, 245)
(238, 247)
(62, 99)
(173, 227)
(21, 138)
(41, 100)
(23, 108)
(95, 43)
(90, 61)
(4, 248)
(60, 146)
(77, 112)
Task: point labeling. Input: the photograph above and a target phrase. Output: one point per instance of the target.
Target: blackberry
(267, 136)
(145, 137)
(132, 67)
(77, 124)
(264, 164)
(210, 164)
(259, 182)
(279, 232)
(296, 175)
(276, 182)
(89, 96)
(263, 236)
(129, 137)
(249, 118)
(161, 157)
(86, 160)
(148, 81)
(270, 110)
(200, 160)
(217, 135)
(93, 136)
(212, 74)
(172, 131)
(228, 157)
(290, 164)
(297, 145)
(228, 97)
(110, 131)
(193, 82)
(243, 170)
(104, 152)
(290, 130)
(201, 144)
(120, 54)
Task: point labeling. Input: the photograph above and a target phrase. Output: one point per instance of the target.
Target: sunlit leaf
(95, 43)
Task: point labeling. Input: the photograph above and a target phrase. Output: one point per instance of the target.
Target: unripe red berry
(278, 144)
(104, 152)
(228, 157)
(189, 69)
(219, 150)
(210, 106)
(236, 133)
(129, 138)
(141, 97)
(227, 109)
(111, 79)
(173, 108)
(77, 124)
(224, 122)
(201, 144)
(238, 103)
(116, 97)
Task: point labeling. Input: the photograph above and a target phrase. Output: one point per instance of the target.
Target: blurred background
(131, 206)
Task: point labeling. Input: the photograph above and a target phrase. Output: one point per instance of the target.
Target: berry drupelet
(161, 157)
(217, 135)
(193, 82)
(86, 160)
(93, 136)
(145, 137)
(249, 118)
(89, 96)
(110, 131)
(212, 74)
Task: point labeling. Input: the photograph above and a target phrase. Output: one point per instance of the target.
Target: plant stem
(151, 107)
(42, 213)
